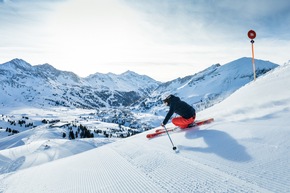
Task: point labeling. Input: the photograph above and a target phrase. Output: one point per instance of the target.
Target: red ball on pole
(252, 34)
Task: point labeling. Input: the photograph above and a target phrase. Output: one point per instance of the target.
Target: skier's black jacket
(179, 107)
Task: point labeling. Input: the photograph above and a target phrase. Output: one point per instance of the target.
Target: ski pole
(174, 148)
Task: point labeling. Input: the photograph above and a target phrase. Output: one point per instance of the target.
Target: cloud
(22, 18)
(22, 22)
(269, 16)
(208, 20)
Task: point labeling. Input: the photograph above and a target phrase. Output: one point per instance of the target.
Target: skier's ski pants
(182, 122)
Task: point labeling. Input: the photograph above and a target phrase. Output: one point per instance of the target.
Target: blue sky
(164, 39)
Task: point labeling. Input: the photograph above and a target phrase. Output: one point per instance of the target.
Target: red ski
(196, 123)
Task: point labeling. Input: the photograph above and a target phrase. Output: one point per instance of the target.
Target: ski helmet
(167, 99)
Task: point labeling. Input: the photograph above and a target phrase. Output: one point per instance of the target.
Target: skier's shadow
(219, 143)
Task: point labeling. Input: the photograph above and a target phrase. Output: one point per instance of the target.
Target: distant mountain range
(43, 85)
(119, 98)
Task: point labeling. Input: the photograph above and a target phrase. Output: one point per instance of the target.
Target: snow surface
(246, 149)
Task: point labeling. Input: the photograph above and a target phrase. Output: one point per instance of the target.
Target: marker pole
(253, 60)
(252, 35)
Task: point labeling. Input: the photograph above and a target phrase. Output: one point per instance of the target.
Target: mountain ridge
(44, 85)
(207, 87)
(54, 87)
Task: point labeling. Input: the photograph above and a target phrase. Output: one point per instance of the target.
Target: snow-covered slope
(38, 146)
(208, 87)
(246, 149)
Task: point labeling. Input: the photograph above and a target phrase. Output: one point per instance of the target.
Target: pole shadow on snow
(219, 143)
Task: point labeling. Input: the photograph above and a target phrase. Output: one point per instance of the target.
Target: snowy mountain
(207, 87)
(43, 85)
(246, 149)
(127, 81)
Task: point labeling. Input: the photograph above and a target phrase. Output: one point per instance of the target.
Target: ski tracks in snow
(102, 170)
(173, 172)
(137, 165)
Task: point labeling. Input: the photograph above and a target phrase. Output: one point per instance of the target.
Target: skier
(186, 112)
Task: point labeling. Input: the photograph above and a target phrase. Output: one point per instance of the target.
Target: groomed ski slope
(246, 149)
